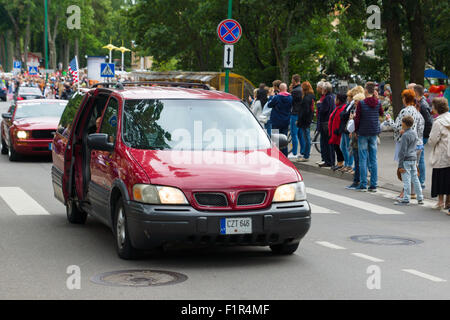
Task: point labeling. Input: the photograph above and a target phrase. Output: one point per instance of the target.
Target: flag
(73, 69)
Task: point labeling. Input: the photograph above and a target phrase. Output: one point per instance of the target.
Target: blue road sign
(17, 64)
(229, 31)
(32, 70)
(107, 70)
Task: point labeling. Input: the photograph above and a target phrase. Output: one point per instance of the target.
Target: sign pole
(227, 71)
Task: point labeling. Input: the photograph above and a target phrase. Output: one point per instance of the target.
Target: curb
(313, 168)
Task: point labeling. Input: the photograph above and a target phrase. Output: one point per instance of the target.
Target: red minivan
(162, 164)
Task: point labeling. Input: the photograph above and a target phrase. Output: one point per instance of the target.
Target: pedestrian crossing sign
(107, 70)
(32, 70)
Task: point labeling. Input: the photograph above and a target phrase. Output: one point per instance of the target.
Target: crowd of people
(350, 124)
(53, 86)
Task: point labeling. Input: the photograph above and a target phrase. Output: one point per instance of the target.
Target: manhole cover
(386, 240)
(139, 278)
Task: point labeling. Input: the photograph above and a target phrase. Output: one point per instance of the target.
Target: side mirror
(99, 141)
(280, 140)
(7, 116)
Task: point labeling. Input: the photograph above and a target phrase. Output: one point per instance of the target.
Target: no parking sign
(229, 31)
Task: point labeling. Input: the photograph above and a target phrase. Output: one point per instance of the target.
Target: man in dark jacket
(326, 108)
(425, 111)
(281, 105)
(297, 96)
(367, 126)
(67, 93)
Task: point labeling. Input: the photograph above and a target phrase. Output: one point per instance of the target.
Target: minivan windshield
(192, 125)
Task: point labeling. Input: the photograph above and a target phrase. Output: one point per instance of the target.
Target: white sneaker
(292, 157)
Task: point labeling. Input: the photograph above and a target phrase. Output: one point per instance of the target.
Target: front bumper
(30, 147)
(152, 226)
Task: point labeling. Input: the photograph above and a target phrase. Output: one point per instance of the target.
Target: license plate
(235, 225)
(50, 146)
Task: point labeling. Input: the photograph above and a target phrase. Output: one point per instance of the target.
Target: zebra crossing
(22, 204)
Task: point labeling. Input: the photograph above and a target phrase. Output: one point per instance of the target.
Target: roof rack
(122, 85)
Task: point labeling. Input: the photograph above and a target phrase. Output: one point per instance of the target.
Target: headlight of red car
(290, 192)
(22, 135)
(158, 194)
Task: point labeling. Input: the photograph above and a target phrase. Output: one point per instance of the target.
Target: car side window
(69, 114)
(109, 123)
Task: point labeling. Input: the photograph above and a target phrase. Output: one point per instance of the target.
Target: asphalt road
(36, 248)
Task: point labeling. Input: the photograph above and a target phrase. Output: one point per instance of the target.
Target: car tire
(4, 147)
(284, 248)
(74, 214)
(125, 249)
(12, 154)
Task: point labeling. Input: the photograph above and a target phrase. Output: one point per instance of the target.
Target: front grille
(251, 198)
(41, 149)
(42, 134)
(211, 199)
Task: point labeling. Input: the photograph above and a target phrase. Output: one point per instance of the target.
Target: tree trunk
(51, 43)
(16, 28)
(395, 52)
(418, 44)
(2, 52)
(26, 43)
(66, 54)
(76, 48)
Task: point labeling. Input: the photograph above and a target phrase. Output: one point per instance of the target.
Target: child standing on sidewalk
(407, 164)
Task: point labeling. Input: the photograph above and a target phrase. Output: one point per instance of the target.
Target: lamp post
(110, 47)
(123, 50)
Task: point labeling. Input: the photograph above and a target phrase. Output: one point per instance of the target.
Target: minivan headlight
(290, 192)
(151, 194)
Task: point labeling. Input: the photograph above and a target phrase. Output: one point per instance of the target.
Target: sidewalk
(387, 167)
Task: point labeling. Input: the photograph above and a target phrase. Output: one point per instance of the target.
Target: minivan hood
(186, 170)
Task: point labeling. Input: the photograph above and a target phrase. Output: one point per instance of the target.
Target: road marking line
(392, 195)
(424, 275)
(319, 209)
(21, 203)
(364, 256)
(330, 245)
(353, 202)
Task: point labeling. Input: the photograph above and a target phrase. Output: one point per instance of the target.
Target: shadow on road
(96, 237)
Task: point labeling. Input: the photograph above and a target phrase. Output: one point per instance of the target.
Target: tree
(391, 16)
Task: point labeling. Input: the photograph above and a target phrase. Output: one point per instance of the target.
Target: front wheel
(12, 154)
(284, 248)
(4, 147)
(125, 249)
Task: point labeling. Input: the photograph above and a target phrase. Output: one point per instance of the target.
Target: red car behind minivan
(169, 163)
(29, 126)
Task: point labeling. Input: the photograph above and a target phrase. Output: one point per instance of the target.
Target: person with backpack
(305, 118)
(281, 106)
(325, 110)
(297, 96)
(425, 111)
